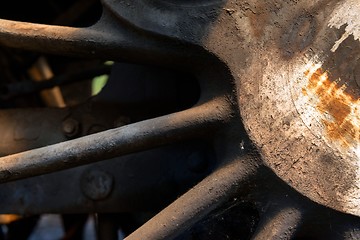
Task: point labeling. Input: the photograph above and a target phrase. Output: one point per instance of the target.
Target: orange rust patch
(304, 91)
(339, 109)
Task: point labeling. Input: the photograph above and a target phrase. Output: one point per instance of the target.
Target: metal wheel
(220, 120)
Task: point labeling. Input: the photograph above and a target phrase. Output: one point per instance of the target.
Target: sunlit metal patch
(333, 115)
(326, 108)
(346, 14)
(324, 93)
(339, 111)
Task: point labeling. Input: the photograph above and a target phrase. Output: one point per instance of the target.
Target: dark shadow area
(143, 92)
(79, 13)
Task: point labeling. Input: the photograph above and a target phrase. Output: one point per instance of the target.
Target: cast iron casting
(268, 114)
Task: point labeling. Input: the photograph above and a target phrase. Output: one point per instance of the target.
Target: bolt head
(70, 127)
(97, 184)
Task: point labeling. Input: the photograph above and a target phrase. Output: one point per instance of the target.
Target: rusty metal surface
(271, 49)
(294, 85)
(292, 67)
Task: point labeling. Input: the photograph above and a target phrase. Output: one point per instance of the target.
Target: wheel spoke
(195, 204)
(280, 222)
(106, 39)
(147, 134)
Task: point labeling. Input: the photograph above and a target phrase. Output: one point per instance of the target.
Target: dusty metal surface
(139, 182)
(118, 141)
(286, 72)
(301, 89)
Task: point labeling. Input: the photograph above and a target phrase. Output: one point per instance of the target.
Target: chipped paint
(346, 14)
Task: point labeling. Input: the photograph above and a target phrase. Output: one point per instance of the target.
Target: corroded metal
(307, 134)
(291, 65)
(300, 83)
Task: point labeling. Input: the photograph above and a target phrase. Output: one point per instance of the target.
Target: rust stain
(340, 111)
(304, 91)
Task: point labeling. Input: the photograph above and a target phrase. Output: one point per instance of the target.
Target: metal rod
(106, 39)
(47, 38)
(195, 204)
(281, 222)
(119, 141)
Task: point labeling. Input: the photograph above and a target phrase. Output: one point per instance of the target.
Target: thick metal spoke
(206, 196)
(280, 222)
(135, 137)
(106, 39)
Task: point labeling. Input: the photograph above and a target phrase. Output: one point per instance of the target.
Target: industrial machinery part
(221, 119)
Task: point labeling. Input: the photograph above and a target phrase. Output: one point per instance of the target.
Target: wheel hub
(304, 111)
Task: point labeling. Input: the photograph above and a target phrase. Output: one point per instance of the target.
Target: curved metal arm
(106, 39)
